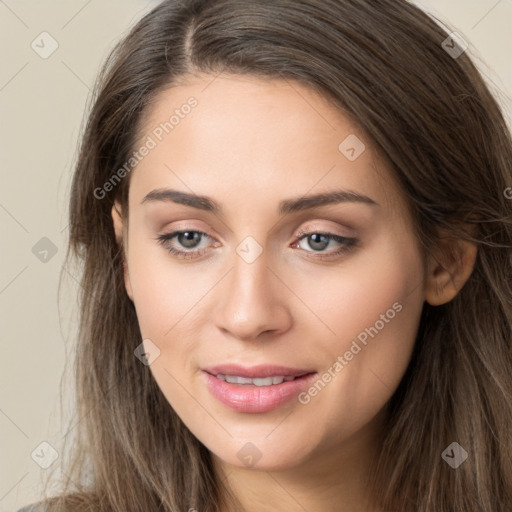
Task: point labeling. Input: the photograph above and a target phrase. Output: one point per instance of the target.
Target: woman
(296, 240)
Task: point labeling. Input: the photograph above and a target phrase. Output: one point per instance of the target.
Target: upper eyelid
(307, 229)
(300, 234)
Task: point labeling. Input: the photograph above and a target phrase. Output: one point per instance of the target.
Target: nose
(251, 301)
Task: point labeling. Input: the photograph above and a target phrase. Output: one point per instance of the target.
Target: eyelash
(348, 244)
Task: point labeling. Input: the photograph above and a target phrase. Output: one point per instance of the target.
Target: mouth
(256, 372)
(258, 381)
(257, 389)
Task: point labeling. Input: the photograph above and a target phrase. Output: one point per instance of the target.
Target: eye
(188, 239)
(319, 241)
(186, 243)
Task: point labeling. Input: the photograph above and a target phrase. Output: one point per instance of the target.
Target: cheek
(373, 306)
(351, 296)
(168, 302)
(165, 293)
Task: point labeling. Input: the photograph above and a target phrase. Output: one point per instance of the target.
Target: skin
(250, 144)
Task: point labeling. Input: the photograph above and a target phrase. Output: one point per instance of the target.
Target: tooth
(238, 380)
(267, 381)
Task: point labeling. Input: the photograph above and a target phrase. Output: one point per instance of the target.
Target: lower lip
(251, 398)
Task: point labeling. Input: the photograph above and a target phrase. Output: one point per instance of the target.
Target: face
(257, 278)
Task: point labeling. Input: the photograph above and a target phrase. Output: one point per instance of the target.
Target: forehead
(242, 138)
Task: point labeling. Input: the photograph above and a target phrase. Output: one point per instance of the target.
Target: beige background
(42, 102)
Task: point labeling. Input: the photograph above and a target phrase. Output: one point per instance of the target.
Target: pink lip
(256, 399)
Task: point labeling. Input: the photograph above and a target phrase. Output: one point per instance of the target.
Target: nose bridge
(250, 286)
(250, 277)
(250, 302)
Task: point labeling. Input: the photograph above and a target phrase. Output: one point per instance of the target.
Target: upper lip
(259, 371)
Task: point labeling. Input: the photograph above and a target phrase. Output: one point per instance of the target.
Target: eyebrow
(286, 206)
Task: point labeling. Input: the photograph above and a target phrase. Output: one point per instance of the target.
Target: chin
(263, 455)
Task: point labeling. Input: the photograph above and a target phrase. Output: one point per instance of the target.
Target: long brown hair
(384, 63)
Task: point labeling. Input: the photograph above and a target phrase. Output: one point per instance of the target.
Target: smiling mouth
(257, 394)
(259, 381)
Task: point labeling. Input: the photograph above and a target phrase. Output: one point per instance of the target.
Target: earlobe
(448, 271)
(117, 220)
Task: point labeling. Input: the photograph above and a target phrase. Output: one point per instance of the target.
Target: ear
(448, 269)
(117, 220)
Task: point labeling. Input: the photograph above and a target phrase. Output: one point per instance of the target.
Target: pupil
(316, 238)
(188, 238)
